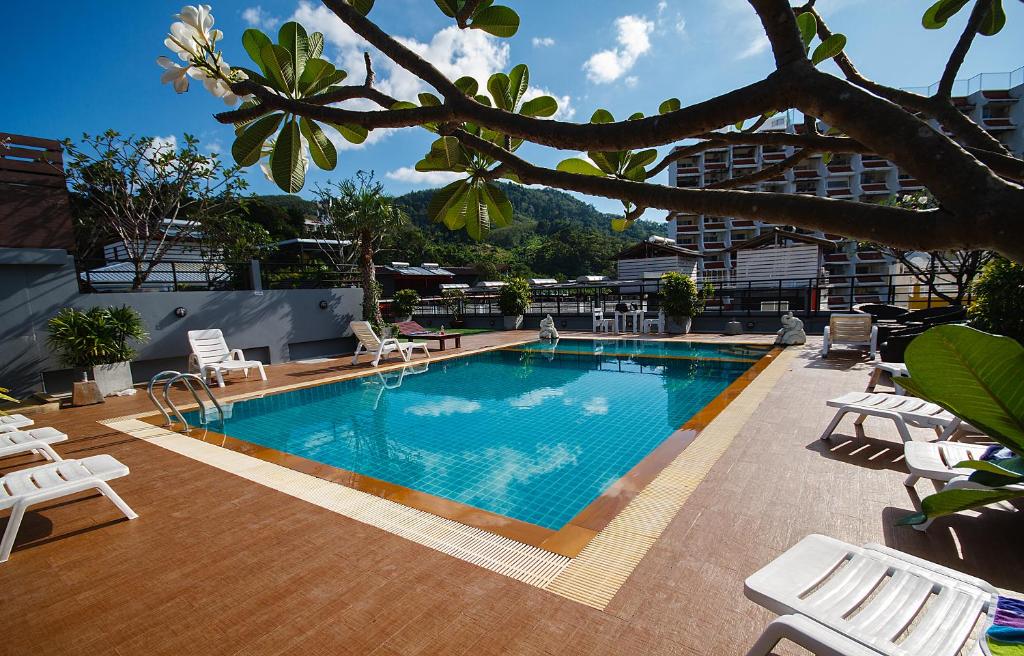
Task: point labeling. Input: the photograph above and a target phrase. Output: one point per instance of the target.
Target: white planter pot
(112, 378)
(512, 323)
(676, 328)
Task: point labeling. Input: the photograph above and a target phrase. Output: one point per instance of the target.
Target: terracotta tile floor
(219, 565)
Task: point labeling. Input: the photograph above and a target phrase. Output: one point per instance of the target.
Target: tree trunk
(371, 301)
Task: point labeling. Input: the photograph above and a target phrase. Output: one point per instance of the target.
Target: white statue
(792, 331)
(547, 328)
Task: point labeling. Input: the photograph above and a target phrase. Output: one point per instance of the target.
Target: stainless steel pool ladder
(172, 377)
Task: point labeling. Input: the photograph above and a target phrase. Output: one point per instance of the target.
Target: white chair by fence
(655, 325)
(602, 323)
(380, 348)
(210, 355)
(850, 330)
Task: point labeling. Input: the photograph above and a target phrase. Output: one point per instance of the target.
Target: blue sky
(89, 65)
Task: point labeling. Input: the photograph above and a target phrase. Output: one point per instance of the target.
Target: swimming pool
(533, 432)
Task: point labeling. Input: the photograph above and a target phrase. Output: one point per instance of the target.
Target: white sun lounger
(850, 329)
(27, 487)
(904, 411)
(836, 599)
(14, 443)
(210, 355)
(370, 343)
(14, 422)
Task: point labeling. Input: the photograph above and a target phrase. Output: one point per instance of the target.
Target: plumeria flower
(176, 75)
(200, 19)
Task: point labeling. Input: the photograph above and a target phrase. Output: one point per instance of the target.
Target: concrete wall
(276, 326)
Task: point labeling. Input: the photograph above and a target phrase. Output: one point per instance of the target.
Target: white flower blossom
(176, 75)
(193, 39)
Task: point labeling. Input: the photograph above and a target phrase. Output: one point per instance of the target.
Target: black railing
(806, 297)
(96, 276)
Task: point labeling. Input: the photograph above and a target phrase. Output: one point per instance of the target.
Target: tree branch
(956, 58)
(766, 173)
(463, 16)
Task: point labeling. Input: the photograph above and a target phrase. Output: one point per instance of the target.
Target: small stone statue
(792, 331)
(547, 328)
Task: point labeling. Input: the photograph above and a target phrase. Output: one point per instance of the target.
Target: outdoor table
(637, 317)
(441, 339)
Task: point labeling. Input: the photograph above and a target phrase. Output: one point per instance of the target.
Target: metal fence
(97, 276)
(769, 297)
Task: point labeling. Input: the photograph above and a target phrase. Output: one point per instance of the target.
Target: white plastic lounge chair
(655, 325)
(370, 343)
(38, 440)
(904, 411)
(840, 600)
(936, 460)
(891, 368)
(850, 330)
(27, 487)
(603, 323)
(14, 422)
(210, 355)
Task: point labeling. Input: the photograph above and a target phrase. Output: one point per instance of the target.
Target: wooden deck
(220, 565)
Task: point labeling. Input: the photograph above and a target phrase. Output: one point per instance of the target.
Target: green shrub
(998, 303)
(404, 302)
(680, 296)
(454, 300)
(84, 339)
(514, 297)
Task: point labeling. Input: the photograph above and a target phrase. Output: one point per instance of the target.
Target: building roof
(776, 235)
(647, 249)
(416, 271)
(164, 273)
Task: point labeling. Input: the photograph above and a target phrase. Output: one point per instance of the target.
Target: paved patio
(220, 565)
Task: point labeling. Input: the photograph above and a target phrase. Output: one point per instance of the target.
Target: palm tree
(359, 210)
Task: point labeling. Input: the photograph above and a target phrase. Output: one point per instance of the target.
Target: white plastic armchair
(851, 329)
(211, 355)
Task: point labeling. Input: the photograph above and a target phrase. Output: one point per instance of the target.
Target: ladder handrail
(186, 378)
(152, 397)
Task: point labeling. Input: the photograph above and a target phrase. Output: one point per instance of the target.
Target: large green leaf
(940, 12)
(498, 205)
(541, 106)
(449, 7)
(602, 116)
(278, 62)
(314, 73)
(670, 105)
(254, 41)
(286, 166)
(974, 375)
(249, 144)
(444, 200)
(993, 20)
(320, 147)
(362, 6)
(316, 45)
(828, 48)
(808, 25)
(446, 154)
(352, 133)
(947, 502)
(478, 216)
(497, 20)
(500, 88)
(579, 166)
(294, 39)
(467, 85)
(519, 82)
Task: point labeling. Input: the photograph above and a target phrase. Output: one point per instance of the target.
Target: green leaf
(642, 158)
(443, 199)
(314, 72)
(254, 76)
(286, 166)
(993, 20)
(316, 45)
(293, 38)
(500, 88)
(808, 25)
(947, 502)
(352, 133)
(449, 7)
(579, 166)
(362, 6)
(940, 12)
(826, 158)
(254, 41)
(607, 161)
(467, 85)
(670, 105)
(1003, 466)
(429, 100)
(974, 375)
(320, 147)
(739, 124)
(249, 144)
(446, 154)
(278, 61)
(635, 116)
(497, 20)
(519, 82)
(602, 116)
(541, 106)
(498, 205)
(404, 104)
(620, 225)
(828, 48)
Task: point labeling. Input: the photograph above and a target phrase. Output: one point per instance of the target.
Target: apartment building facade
(855, 273)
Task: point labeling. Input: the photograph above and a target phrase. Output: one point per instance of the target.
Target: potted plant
(454, 302)
(682, 301)
(97, 340)
(404, 304)
(513, 300)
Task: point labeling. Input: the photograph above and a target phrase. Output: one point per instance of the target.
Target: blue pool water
(534, 433)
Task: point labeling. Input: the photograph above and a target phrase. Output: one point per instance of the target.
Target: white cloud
(634, 40)
(543, 42)
(631, 81)
(662, 6)
(535, 398)
(758, 45)
(162, 145)
(444, 408)
(596, 406)
(258, 17)
(680, 25)
(433, 178)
